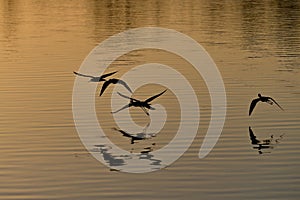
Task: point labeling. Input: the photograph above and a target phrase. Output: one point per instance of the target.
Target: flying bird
(144, 105)
(268, 100)
(106, 82)
(114, 81)
(96, 78)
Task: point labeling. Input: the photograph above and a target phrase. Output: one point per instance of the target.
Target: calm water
(255, 45)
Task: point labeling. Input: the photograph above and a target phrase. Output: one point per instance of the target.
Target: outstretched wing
(109, 74)
(124, 107)
(124, 84)
(114, 81)
(83, 75)
(104, 86)
(276, 103)
(122, 95)
(252, 105)
(155, 96)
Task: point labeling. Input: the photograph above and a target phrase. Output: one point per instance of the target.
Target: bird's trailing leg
(152, 108)
(124, 107)
(144, 109)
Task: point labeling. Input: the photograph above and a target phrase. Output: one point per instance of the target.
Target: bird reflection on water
(138, 136)
(116, 161)
(145, 154)
(111, 159)
(263, 145)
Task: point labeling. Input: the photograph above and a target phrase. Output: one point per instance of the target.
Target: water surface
(255, 45)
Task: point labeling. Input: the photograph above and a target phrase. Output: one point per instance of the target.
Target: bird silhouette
(106, 82)
(114, 81)
(144, 105)
(261, 98)
(95, 78)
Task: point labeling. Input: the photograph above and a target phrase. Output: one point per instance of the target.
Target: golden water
(255, 45)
